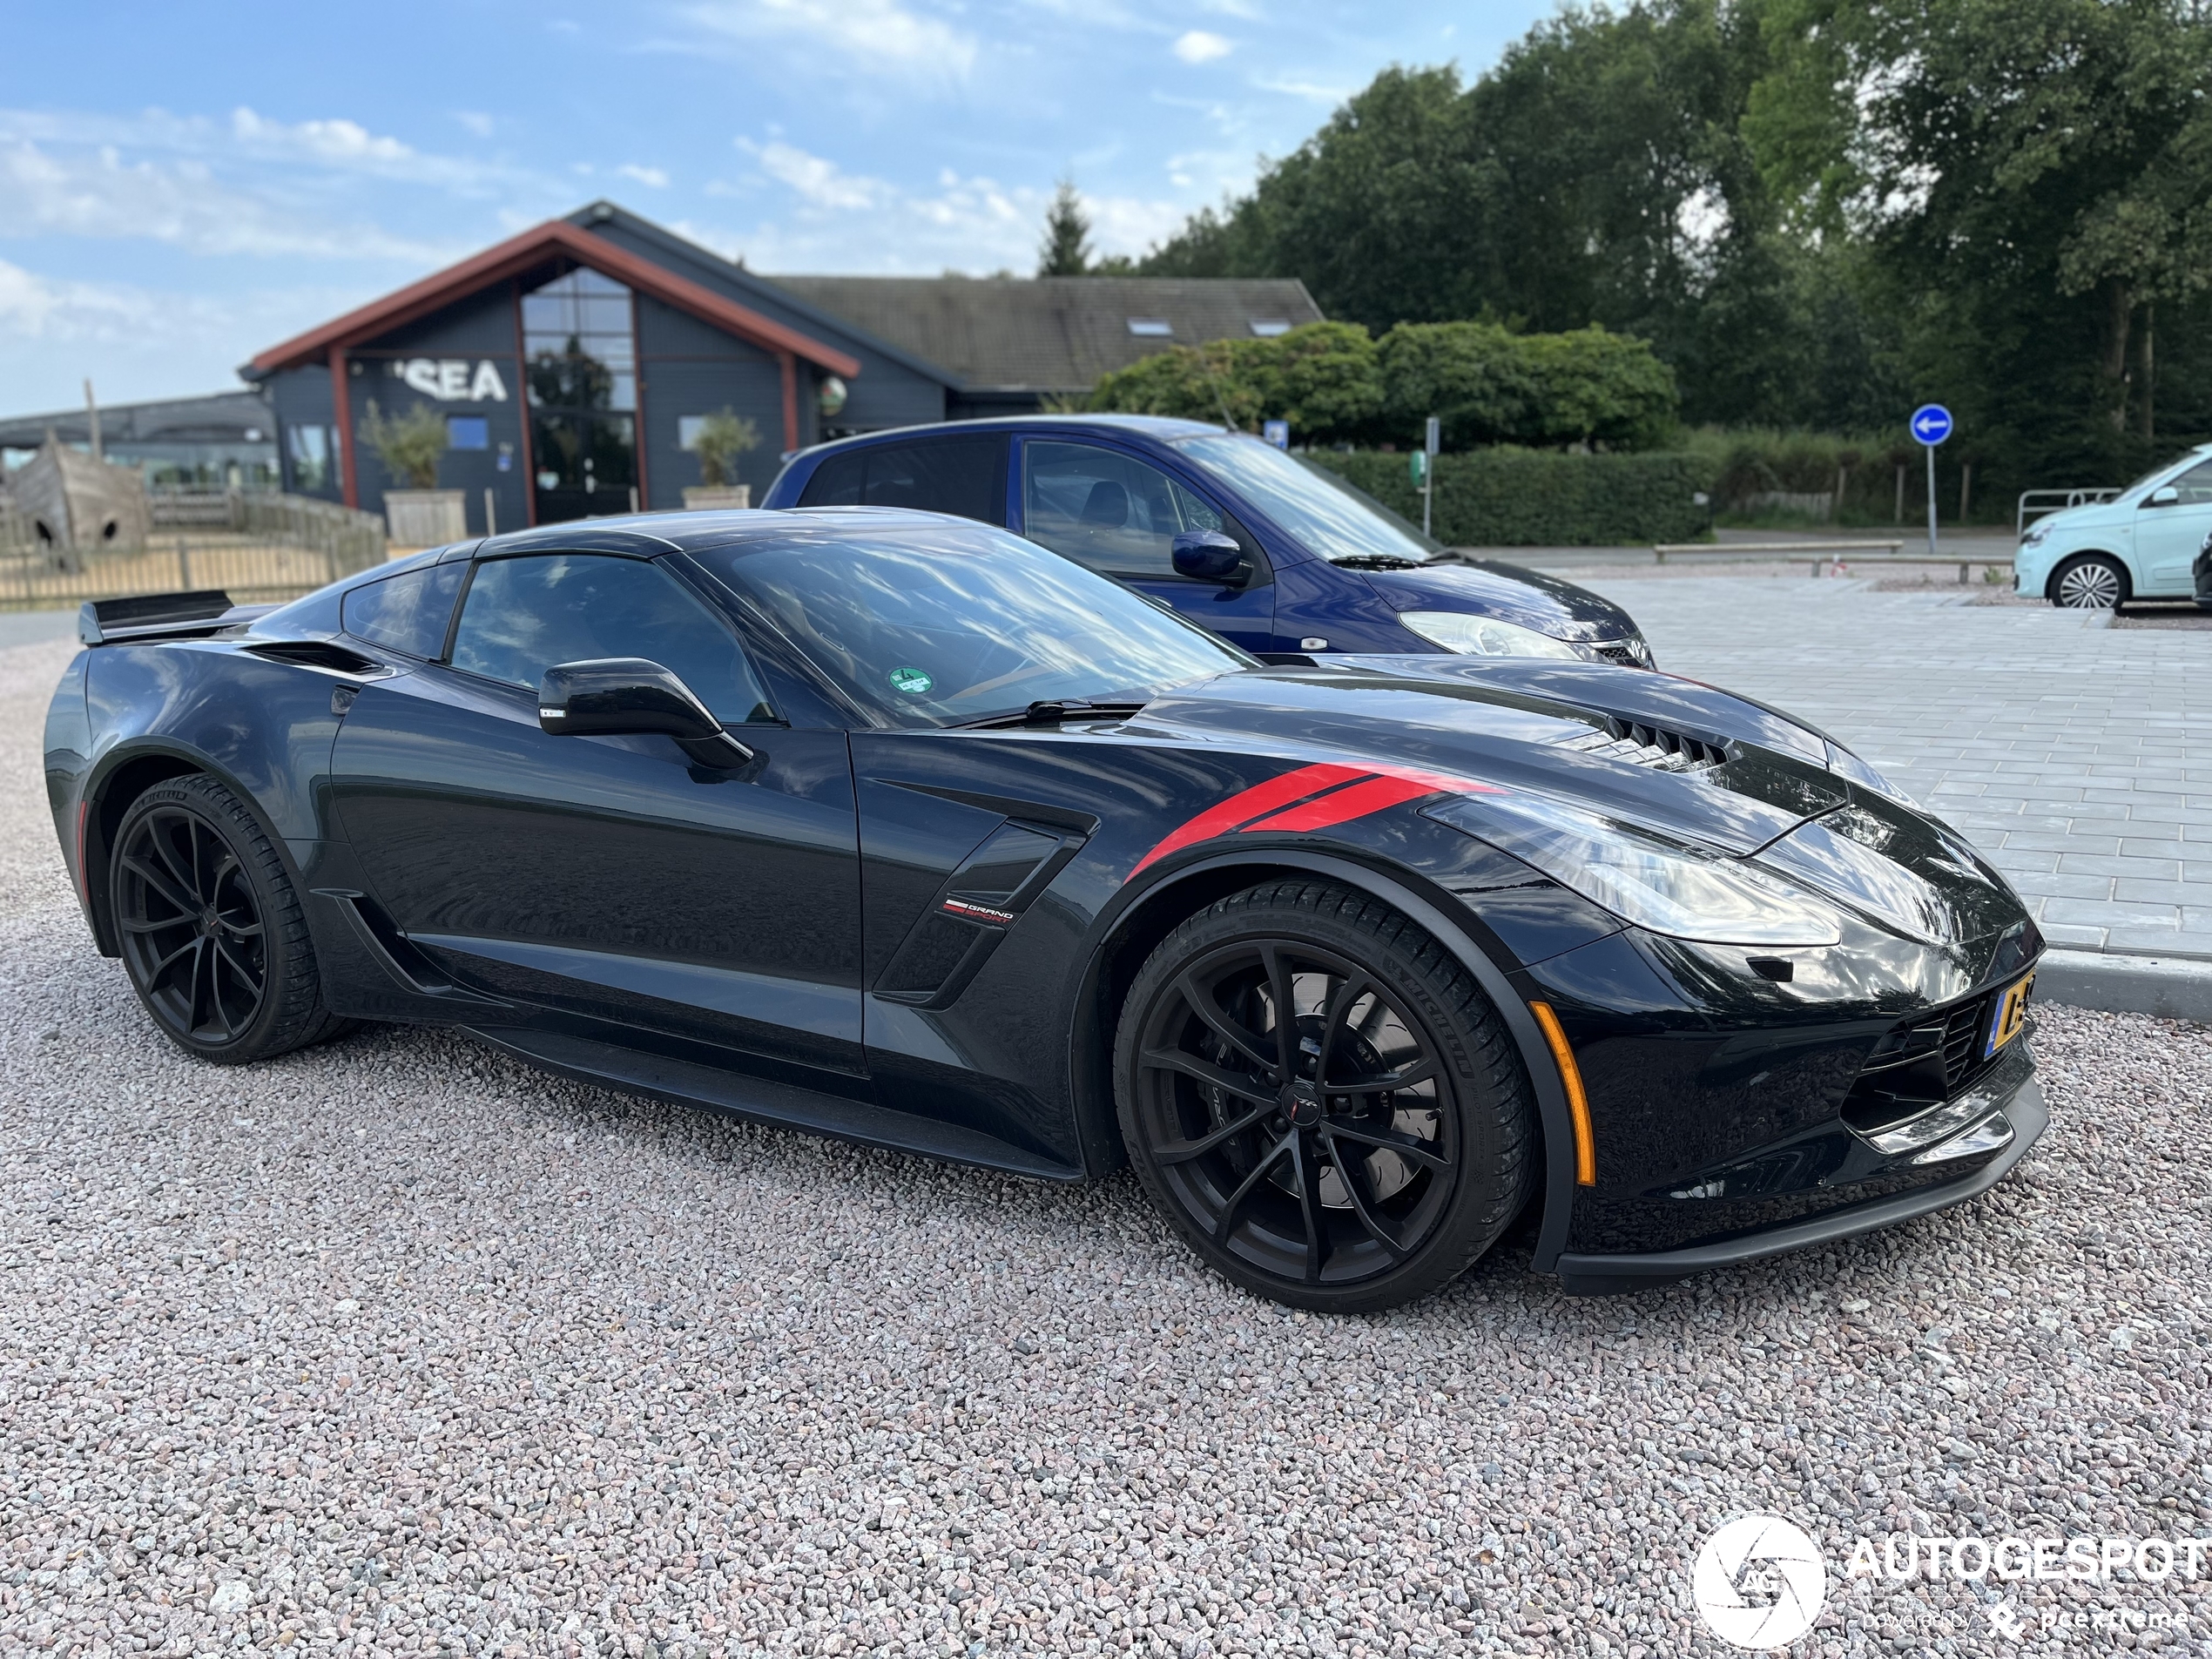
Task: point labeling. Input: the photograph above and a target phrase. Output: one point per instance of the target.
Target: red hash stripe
(1344, 805)
(1247, 804)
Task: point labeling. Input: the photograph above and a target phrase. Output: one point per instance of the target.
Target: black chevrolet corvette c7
(898, 828)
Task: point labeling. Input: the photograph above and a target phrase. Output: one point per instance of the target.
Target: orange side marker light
(1578, 1103)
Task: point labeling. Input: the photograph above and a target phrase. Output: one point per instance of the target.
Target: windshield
(2156, 473)
(1312, 503)
(941, 622)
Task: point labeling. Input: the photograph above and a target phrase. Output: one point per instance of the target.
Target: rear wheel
(1321, 1099)
(212, 936)
(2091, 582)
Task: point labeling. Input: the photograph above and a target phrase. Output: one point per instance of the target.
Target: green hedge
(1542, 498)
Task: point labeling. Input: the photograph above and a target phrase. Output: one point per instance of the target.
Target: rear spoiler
(162, 616)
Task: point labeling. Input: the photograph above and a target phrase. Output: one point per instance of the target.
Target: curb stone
(2169, 986)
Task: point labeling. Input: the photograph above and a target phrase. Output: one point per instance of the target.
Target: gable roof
(1048, 333)
(554, 242)
(763, 291)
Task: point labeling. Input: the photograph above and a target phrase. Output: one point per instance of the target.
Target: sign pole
(1930, 425)
(1432, 443)
(1929, 448)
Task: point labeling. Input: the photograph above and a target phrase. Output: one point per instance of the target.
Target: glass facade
(580, 349)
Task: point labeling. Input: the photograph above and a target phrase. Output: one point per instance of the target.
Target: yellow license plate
(2011, 1016)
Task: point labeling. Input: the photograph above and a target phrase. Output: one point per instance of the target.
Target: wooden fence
(254, 545)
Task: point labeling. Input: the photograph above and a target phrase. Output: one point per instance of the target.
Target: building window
(314, 456)
(1268, 327)
(1151, 328)
(577, 338)
(467, 432)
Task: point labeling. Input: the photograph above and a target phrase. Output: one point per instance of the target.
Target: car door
(962, 476)
(2171, 528)
(1119, 515)
(611, 877)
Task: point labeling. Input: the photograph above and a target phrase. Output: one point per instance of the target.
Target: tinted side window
(966, 476)
(1107, 510)
(409, 612)
(522, 616)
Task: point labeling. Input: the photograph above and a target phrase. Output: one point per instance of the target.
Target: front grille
(1643, 744)
(1621, 655)
(1920, 1062)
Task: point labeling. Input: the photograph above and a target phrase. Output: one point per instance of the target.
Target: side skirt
(760, 1100)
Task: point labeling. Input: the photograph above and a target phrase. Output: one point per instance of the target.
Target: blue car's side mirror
(1208, 555)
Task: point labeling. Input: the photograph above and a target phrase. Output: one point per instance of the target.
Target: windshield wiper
(1052, 712)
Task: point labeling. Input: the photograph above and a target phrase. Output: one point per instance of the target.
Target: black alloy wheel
(212, 933)
(2091, 583)
(1322, 1099)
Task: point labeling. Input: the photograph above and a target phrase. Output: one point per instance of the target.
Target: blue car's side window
(1109, 511)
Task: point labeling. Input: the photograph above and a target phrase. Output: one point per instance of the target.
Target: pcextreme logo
(1759, 1581)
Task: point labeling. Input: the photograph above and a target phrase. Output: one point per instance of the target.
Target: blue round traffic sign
(1930, 423)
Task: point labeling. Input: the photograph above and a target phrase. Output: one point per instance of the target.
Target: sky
(182, 186)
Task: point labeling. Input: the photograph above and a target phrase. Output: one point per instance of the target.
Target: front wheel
(2094, 582)
(1321, 1099)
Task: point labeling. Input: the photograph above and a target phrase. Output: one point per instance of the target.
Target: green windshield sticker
(913, 681)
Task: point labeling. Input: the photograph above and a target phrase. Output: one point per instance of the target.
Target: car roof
(696, 531)
(1165, 427)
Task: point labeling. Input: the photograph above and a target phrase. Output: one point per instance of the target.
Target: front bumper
(2004, 1111)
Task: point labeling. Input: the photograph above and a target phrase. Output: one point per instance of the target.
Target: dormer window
(1268, 327)
(1151, 328)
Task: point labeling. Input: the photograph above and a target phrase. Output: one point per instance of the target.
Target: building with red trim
(573, 363)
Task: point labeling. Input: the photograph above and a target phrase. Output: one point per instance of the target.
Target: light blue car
(2144, 543)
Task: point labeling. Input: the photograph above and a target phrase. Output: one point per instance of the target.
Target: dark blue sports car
(1270, 552)
(898, 828)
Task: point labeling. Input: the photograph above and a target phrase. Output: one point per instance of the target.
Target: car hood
(1649, 749)
(1508, 592)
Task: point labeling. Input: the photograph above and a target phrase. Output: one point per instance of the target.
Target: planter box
(698, 498)
(426, 517)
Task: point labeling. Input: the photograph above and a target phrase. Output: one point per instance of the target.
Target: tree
(1066, 248)
(723, 436)
(410, 446)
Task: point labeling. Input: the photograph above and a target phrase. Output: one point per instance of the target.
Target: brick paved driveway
(2074, 754)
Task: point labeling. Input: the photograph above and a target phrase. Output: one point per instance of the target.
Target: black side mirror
(1208, 555)
(626, 696)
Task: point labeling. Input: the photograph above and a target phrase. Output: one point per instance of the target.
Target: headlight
(1661, 885)
(2034, 534)
(1485, 636)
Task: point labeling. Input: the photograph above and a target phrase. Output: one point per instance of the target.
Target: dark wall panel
(675, 388)
(663, 331)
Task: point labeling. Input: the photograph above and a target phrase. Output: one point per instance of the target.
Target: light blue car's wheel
(2093, 583)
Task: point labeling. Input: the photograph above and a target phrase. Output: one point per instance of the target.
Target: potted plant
(721, 438)
(419, 514)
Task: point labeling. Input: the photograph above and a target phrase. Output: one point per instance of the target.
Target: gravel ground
(394, 1347)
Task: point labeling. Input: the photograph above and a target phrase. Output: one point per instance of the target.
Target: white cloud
(477, 123)
(137, 343)
(880, 34)
(822, 182)
(1200, 47)
(182, 204)
(1247, 10)
(652, 177)
(336, 140)
(1313, 91)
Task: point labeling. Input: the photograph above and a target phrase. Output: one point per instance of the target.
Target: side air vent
(318, 653)
(1641, 745)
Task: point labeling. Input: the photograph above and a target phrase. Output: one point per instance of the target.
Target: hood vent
(1649, 745)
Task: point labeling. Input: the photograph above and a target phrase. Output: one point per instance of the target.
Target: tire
(1339, 1199)
(213, 935)
(2092, 582)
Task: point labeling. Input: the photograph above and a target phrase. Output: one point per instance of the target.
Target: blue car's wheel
(1321, 1099)
(211, 932)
